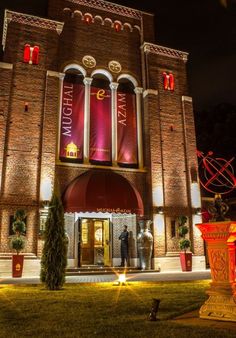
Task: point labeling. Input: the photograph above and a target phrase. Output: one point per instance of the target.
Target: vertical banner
(100, 125)
(126, 129)
(72, 121)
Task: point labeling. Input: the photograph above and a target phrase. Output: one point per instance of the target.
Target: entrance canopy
(102, 191)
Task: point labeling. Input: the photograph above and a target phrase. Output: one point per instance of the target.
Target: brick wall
(107, 45)
(20, 34)
(172, 149)
(23, 134)
(5, 91)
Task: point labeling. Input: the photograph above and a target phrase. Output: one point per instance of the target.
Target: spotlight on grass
(155, 306)
(121, 279)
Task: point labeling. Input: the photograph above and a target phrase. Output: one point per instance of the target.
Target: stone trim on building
(95, 166)
(150, 92)
(160, 50)
(187, 99)
(54, 74)
(5, 65)
(31, 20)
(110, 7)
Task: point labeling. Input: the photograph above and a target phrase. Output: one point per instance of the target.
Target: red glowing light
(168, 81)
(35, 55)
(27, 53)
(117, 26)
(31, 54)
(87, 19)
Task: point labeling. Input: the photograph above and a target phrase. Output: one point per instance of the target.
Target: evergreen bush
(54, 256)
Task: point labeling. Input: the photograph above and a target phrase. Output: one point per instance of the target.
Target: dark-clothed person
(124, 244)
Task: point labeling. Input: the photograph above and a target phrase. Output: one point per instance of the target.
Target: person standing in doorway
(124, 244)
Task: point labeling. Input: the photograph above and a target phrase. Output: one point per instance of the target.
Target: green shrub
(20, 215)
(184, 244)
(183, 230)
(18, 240)
(17, 243)
(18, 227)
(182, 220)
(54, 257)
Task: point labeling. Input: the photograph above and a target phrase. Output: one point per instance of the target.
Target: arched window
(100, 147)
(72, 116)
(100, 119)
(127, 154)
(88, 18)
(117, 26)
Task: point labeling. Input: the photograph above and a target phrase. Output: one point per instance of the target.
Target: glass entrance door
(95, 242)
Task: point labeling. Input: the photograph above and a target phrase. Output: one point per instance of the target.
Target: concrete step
(104, 271)
(8, 255)
(32, 268)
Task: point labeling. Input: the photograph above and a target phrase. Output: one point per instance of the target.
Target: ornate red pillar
(220, 238)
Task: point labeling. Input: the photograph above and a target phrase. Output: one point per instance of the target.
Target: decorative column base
(219, 306)
(220, 238)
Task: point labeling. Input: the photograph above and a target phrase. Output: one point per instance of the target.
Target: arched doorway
(103, 201)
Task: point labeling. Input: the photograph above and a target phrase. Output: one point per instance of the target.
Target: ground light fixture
(121, 280)
(154, 309)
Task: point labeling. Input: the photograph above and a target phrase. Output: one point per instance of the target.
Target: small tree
(54, 257)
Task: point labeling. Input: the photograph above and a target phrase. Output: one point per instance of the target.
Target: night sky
(204, 28)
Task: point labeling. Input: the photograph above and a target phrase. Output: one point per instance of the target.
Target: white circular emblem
(89, 61)
(114, 66)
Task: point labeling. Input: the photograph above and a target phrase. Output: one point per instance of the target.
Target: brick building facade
(114, 47)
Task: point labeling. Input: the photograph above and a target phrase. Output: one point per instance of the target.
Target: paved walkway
(150, 276)
(192, 319)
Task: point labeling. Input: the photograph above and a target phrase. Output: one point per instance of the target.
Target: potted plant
(184, 244)
(18, 242)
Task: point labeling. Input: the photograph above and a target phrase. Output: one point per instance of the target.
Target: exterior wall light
(198, 211)
(195, 195)
(158, 210)
(45, 196)
(158, 198)
(46, 190)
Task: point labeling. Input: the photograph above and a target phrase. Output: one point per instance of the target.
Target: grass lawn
(103, 310)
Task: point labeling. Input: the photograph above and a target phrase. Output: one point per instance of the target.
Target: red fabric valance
(102, 191)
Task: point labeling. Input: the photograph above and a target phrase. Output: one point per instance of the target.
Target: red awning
(102, 191)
